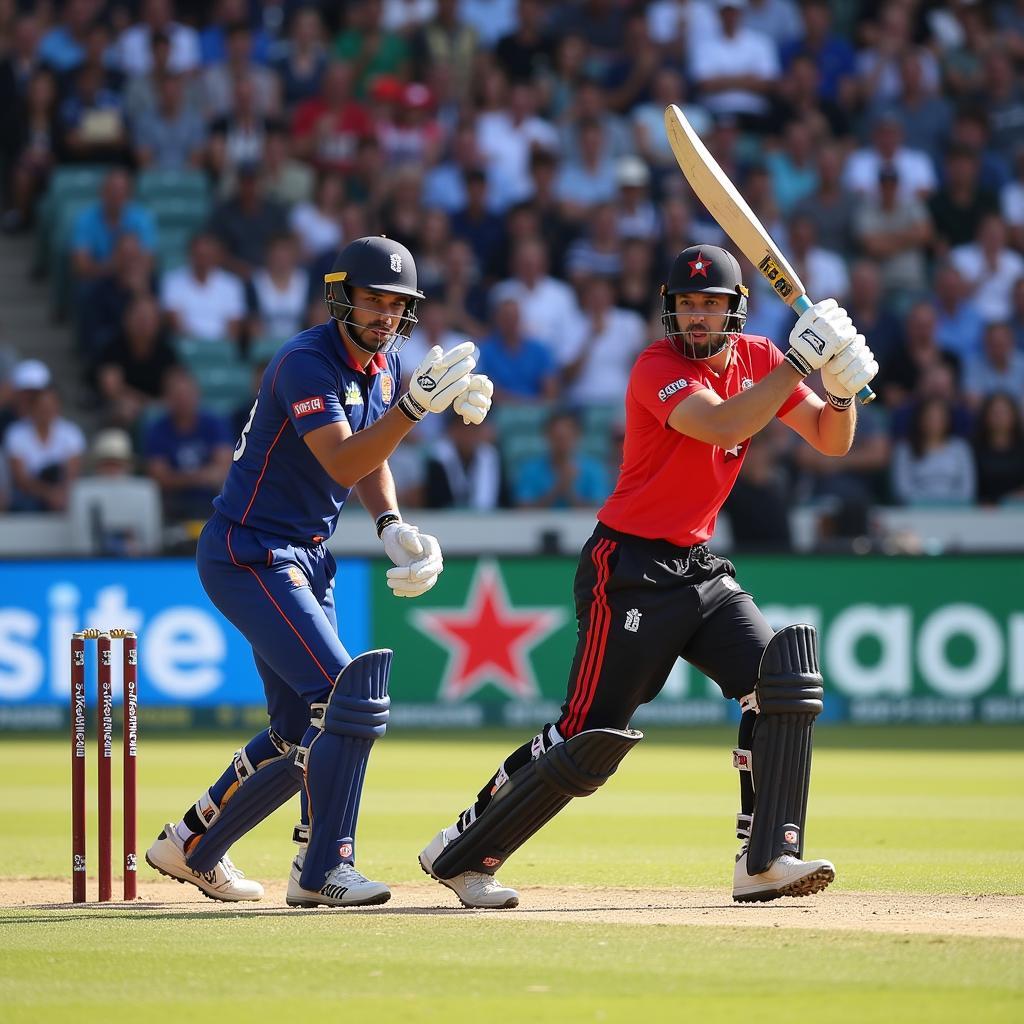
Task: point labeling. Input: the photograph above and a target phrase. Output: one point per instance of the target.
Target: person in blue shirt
(564, 477)
(521, 368)
(326, 418)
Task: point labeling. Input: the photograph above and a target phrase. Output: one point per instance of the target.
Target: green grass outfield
(901, 810)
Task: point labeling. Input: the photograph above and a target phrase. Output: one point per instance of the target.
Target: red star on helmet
(699, 265)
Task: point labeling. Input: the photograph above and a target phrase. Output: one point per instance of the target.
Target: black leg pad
(533, 796)
(789, 697)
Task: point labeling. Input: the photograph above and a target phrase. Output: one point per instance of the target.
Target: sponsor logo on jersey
(670, 389)
(308, 406)
(353, 396)
(297, 577)
(387, 387)
(632, 623)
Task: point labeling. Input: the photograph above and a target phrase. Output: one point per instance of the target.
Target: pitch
(625, 912)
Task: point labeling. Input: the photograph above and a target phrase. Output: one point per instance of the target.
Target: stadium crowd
(189, 171)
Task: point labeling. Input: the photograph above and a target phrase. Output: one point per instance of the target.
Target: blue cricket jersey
(275, 484)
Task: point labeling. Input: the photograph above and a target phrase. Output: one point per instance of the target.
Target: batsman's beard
(711, 343)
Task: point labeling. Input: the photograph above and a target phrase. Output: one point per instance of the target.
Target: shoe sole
(510, 904)
(305, 904)
(216, 897)
(806, 886)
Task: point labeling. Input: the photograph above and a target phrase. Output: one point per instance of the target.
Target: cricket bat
(714, 189)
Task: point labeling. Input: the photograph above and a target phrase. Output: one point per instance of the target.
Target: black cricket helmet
(383, 265)
(712, 270)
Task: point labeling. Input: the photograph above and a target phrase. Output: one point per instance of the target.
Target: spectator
(990, 268)
(407, 130)
(527, 54)
(446, 40)
(895, 232)
(173, 136)
(23, 379)
(888, 37)
(131, 368)
(465, 296)
(239, 137)
(602, 25)
(245, 223)
(932, 466)
(915, 174)
(632, 65)
(822, 271)
(215, 39)
(222, 79)
(998, 367)
(677, 27)
(549, 309)
(327, 128)
(598, 251)
(521, 368)
(30, 148)
(831, 205)
(465, 471)
(827, 50)
(1004, 103)
(958, 207)
(278, 292)
(959, 326)
(444, 185)
(606, 347)
(140, 94)
(779, 20)
(648, 119)
(1011, 201)
(637, 217)
(135, 46)
(475, 224)
(187, 450)
(737, 69)
(920, 352)
(793, 169)
(636, 282)
(590, 103)
(585, 182)
(556, 232)
(91, 121)
(923, 113)
(302, 65)
(999, 450)
(368, 47)
(44, 453)
(490, 19)
(564, 477)
(131, 276)
(110, 511)
(1018, 314)
(880, 327)
(98, 227)
(432, 250)
(759, 504)
(799, 99)
(285, 180)
(317, 224)
(62, 48)
(202, 300)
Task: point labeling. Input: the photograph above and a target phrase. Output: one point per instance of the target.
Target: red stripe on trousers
(597, 635)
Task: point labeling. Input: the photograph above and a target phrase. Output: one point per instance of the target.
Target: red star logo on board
(699, 265)
(488, 640)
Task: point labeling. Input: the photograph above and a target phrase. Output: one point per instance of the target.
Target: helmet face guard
(378, 264)
(708, 270)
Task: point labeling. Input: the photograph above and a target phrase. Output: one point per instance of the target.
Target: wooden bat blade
(713, 188)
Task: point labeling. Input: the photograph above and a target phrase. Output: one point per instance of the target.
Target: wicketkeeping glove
(475, 402)
(438, 380)
(821, 332)
(846, 373)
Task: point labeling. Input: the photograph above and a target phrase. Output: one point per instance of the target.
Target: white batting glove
(821, 332)
(402, 543)
(421, 574)
(438, 380)
(475, 402)
(845, 374)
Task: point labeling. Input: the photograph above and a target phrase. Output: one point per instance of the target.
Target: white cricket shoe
(786, 876)
(344, 887)
(476, 890)
(225, 882)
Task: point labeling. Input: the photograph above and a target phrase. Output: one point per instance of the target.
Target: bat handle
(801, 305)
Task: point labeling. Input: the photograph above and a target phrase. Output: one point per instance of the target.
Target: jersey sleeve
(798, 394)
(306, 385)
(660, 382)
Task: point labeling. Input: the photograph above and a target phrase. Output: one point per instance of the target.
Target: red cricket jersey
(671, 486)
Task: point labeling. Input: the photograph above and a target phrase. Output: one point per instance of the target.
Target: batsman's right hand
(822, 331)
(438, 380)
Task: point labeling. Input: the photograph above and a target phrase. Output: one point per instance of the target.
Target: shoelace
(345, 872)
(479, 878)
(230, 869)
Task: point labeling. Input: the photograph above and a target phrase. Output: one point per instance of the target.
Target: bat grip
(801, 305)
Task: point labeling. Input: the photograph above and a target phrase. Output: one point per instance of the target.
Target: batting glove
(438, 380)
(475, 402)
(845, 374)
(821, 332)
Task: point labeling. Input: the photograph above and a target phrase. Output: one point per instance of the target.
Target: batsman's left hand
(475, 402)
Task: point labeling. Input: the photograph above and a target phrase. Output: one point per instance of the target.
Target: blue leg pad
(356, 714)
(269, 787)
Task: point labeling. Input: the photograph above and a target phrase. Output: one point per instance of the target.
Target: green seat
(67, 185)
(225, 388)
(187, 212)
(199, 353)
(262, 350)
(172, 247)
(153, 184)
(520, 433)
